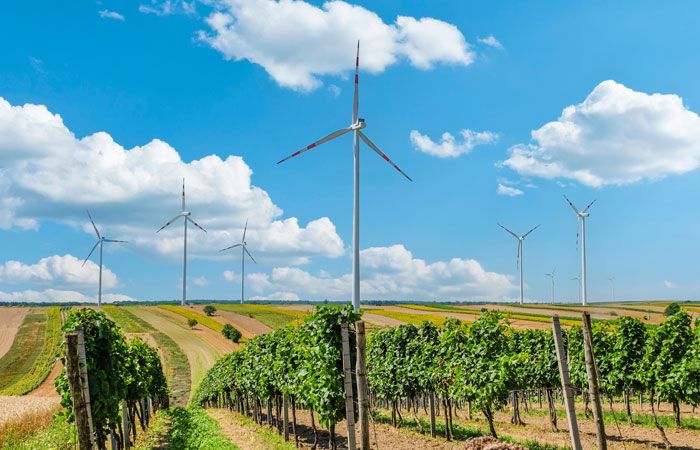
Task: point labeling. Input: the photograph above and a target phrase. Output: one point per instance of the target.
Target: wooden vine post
(592, 373)
(566, 385)
(80, 406)
(126, 426)
(362, 389)
(347, 369)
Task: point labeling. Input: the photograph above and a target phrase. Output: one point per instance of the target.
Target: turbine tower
(356, 128)
(612, 286)
(244, 250)
(578, 278)
(187, 218)
(519, 260)
(582, 216)
(100, 241)
(551, 275)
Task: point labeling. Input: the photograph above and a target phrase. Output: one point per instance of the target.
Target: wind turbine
(356, 128)
(578, 278)
(582, 216)
(551, 275)
(187, 218)
(244, 250)
(520, 256)
(100, 241)
(612, 285)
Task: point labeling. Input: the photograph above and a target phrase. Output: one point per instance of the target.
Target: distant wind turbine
(356, 127)
(612, 285)
(244, 250)
(519, 260)
(187, 218)
(582, 216)
(578, 279)
(551, 275)
(100, 241)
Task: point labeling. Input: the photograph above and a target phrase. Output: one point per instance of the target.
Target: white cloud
(65, 271)
(491, 41)
(201, 281)
(230, 275)
(670, 284)
(448, 147)
(47, 173)
(168, 7)
(296, 42)
(335, 90)
(59, 296)
(508, 190)
(615, 136)
(106, 14)
(391, 273)
(289, 296)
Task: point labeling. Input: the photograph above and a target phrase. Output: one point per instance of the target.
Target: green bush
(230, 332)
(192, 323)
(672, 309)
(209, 310)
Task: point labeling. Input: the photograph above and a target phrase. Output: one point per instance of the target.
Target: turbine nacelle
(360, 124)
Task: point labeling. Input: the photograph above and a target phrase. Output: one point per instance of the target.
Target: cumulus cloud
(391, 273)
(279, 36)
(448, 147)
(168, 7)
(59, 296)
(107, 14)
(670, 284)
(200, 281)
(491, 41)
(230, 275)
(65, 271)
(508, 190)
(47, 173)
(615, 136)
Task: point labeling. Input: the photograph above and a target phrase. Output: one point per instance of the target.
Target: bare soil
(216, 340)
(47, 389)
(248, 326)
(10, 320)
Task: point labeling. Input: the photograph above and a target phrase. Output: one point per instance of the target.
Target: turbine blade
(170, 222)
(251, 256)
(244, 230)
(380, 153)
(525, 235)
(572, 205)
(356, 98)
(93, 225)
(229, 248)
(183, 193)
(90, 254)
(589, 206)
(514, 235)
(333, 135)
(113, 240)
(195, 224)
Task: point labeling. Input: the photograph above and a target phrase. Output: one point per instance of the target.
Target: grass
(192, 428)
(264, 436)
(188, 313)
(175, 363)
(33, 353)
(57, 434)
(271, 316)
(415, 319)
(156, 435)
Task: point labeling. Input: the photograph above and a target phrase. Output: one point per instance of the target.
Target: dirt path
(216, 340)
(10, 320)
(248, 326)
(200, 354)
(246, 436)
(46, 388)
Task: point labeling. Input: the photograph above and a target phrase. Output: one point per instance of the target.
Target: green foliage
(272, 316)
(192, 428)
(672, 309)
(209, 310)
(230, 332)
(192, 323)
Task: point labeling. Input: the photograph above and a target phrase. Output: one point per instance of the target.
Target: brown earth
(47, 389)
(10, 320)
(211, 337)
(248, 326)
(381, 321)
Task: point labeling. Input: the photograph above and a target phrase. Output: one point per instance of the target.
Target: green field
(271, 316)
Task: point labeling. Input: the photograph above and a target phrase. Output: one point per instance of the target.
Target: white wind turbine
(551, 275)
(187, 218)
(100, 241)
(578, 279)
(612, 286)
(519, 260)
(244, 250)
(356, 128)
(582, 216)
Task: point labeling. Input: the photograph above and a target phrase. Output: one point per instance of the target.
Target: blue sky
(167, 84)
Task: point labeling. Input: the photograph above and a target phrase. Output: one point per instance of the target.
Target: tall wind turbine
(582, 216)
(100, 241)
(244, 249)
(612, 286)
(356, 128)
(187, 218)
(578, 279)
(519, 260)
(551, 275)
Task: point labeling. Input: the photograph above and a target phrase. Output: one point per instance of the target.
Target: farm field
(10, 321)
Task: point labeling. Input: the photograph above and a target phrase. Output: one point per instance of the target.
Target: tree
(672, 309)
(209, 310)
(230, 332)
(192, 323)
